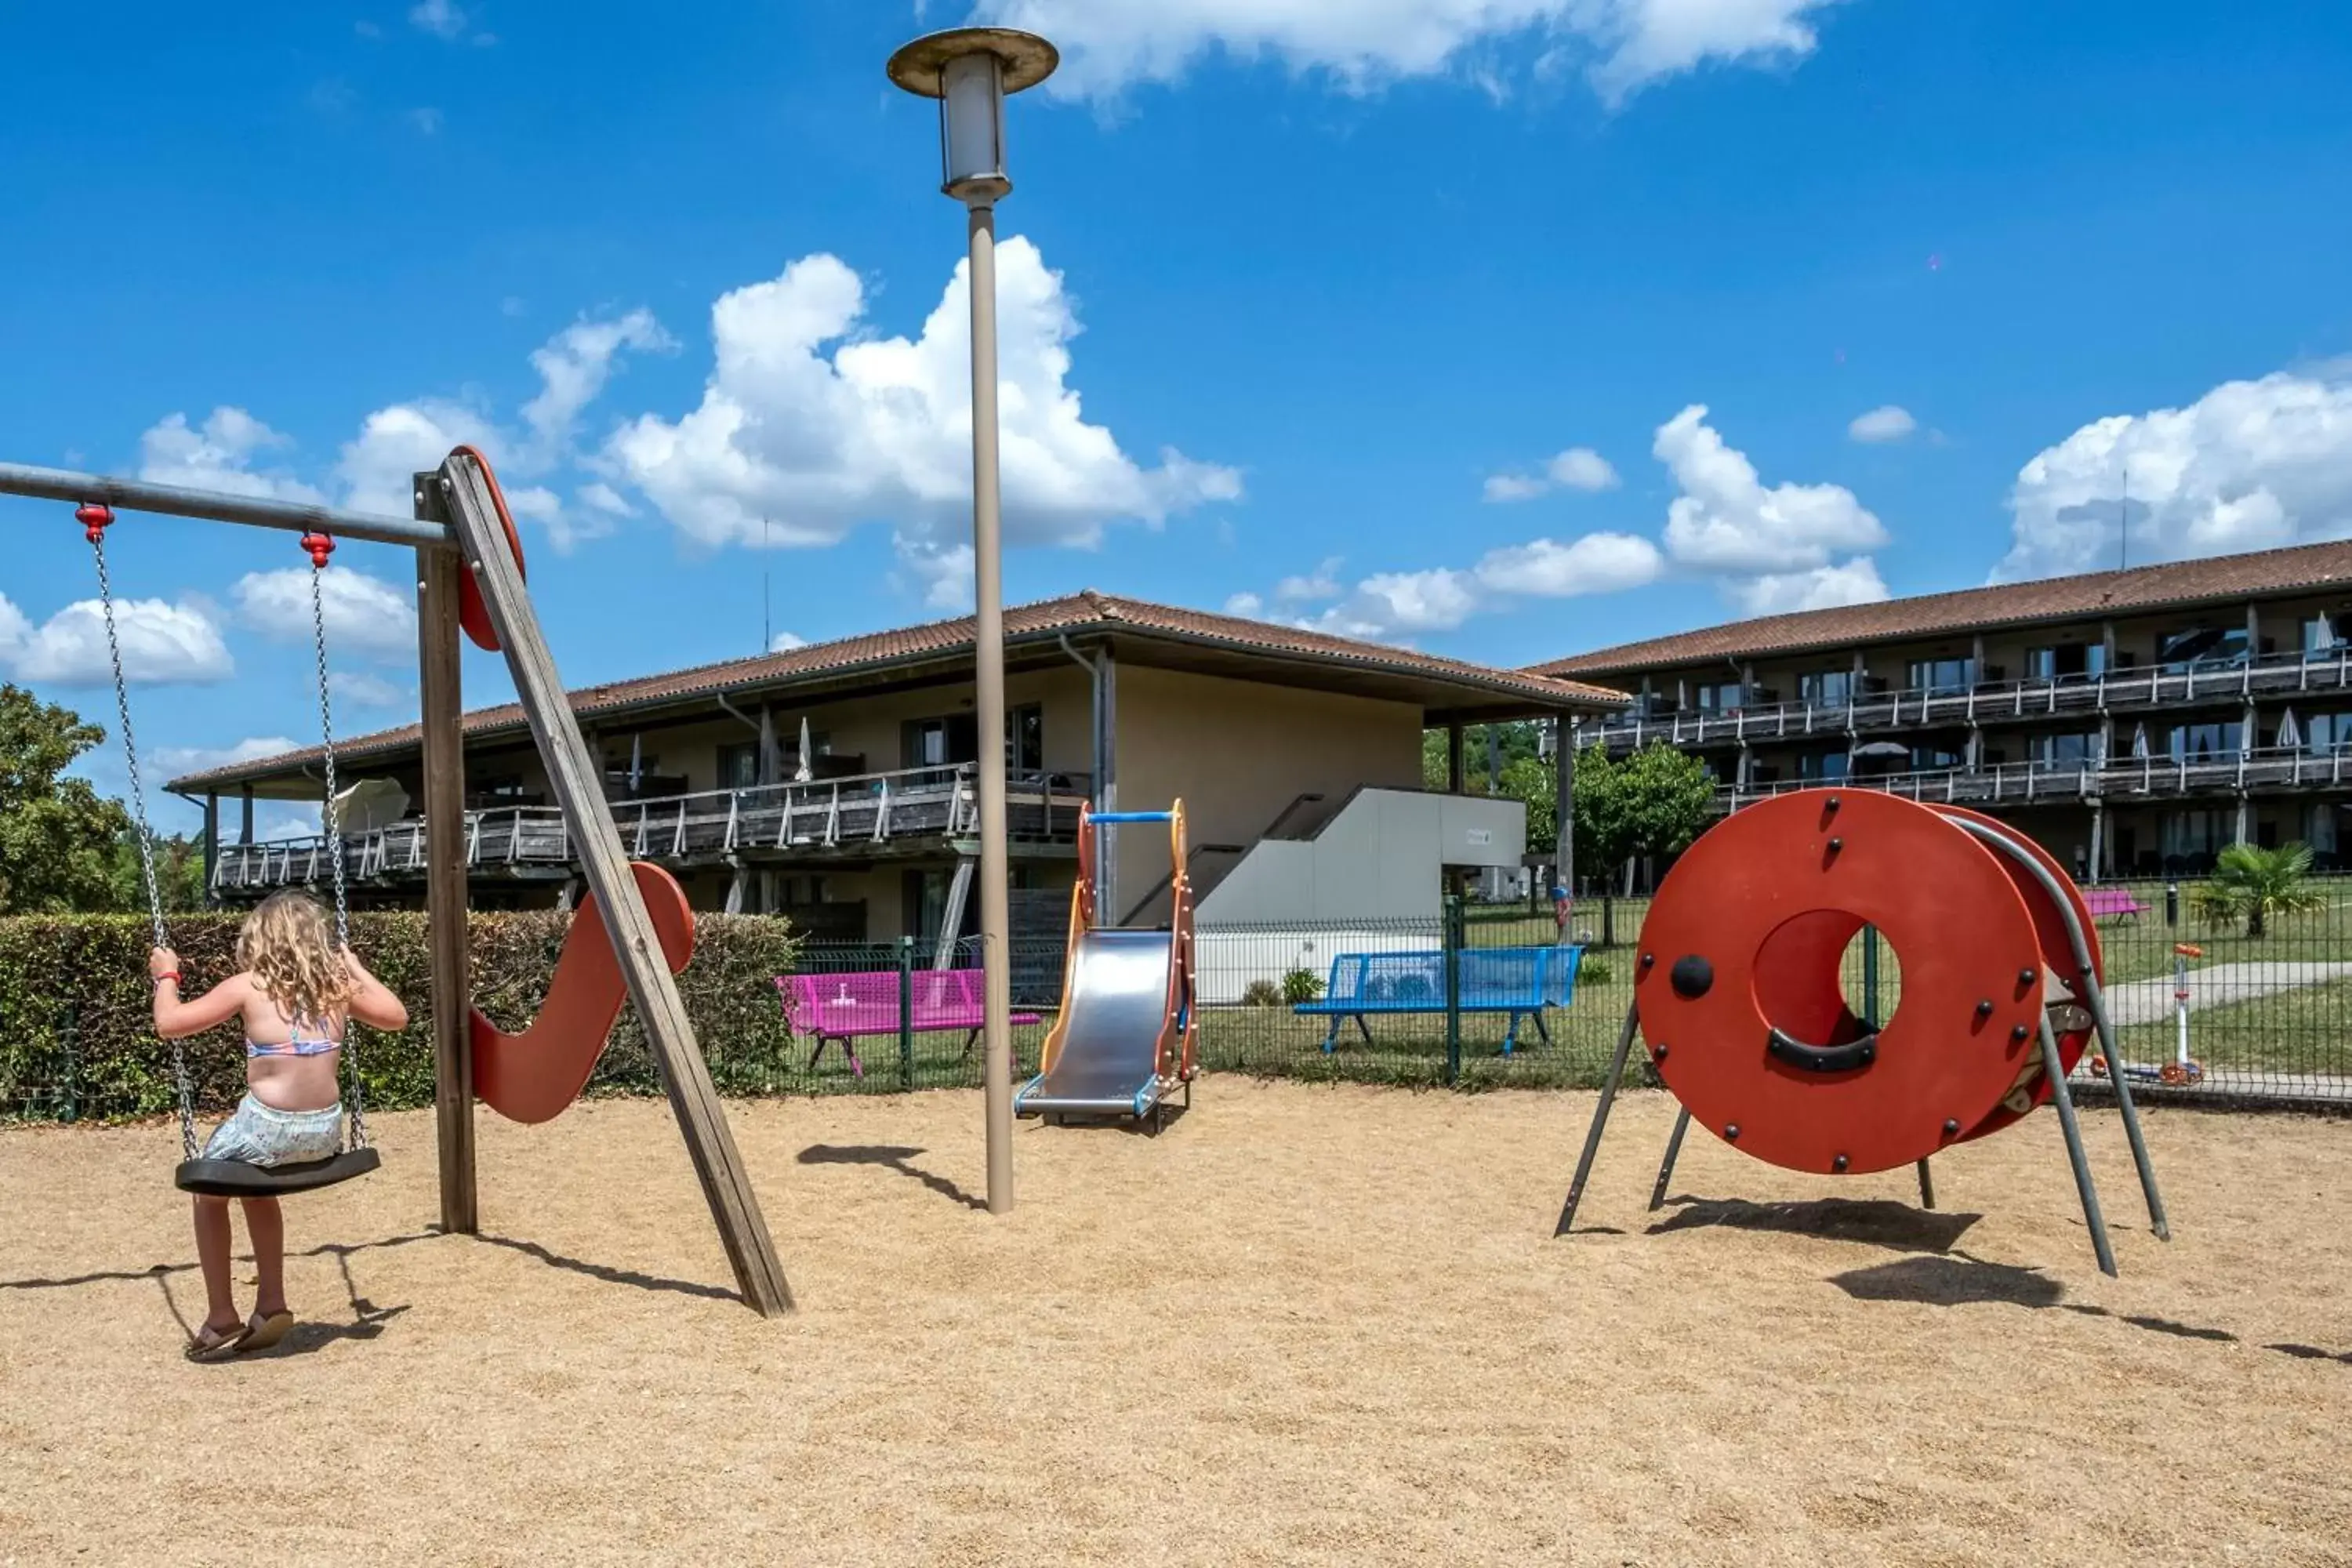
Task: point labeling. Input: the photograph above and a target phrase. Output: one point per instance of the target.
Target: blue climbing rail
(1524, 981)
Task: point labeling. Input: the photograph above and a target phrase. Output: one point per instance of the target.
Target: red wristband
(173, 976)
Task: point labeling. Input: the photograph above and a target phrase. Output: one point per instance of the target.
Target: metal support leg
(1600, 1119)
(2063, 1099)
(1666, 1165)
(2095, 996)
(1927, 1187)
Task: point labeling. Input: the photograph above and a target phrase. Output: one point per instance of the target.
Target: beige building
(2134, 721)
(1266, 732)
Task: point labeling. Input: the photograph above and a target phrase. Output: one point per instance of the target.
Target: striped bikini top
(297, 1047)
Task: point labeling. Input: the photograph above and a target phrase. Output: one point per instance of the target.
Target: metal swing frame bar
(457, 530)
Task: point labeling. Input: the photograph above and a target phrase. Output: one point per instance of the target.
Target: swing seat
(236, 1179)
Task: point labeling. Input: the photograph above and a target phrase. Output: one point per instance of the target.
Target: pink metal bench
(843, 1006)
(2107, 901)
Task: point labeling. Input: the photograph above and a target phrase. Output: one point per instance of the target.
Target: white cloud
(1620, 43)
(1577, 469)
(1726, 521)
(812, 422)
(1249, 607)
(218, 456)
(426, 120)
(177, 760)
(1889, 422)
(1767, 549)
(1323, 583)
(604, 498)
(785, 642)
(163, 644)
(1595, 564)
(361, 689)
(404, 439)
(2250, 466)
(942, 572)
(1855, 582)
(442, 18)
(573, 366)
(361, 612)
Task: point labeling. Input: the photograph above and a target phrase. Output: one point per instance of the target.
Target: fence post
(906, 1012)
(2171, 904)
(70, 1029)
(1607, 921)
(1454, 940)
(1870, 977)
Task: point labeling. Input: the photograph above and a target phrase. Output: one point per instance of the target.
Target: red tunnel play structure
(1739, 1001)
(1738, 982)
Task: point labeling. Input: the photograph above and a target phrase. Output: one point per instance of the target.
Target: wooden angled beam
(438, 573)
(575, 778)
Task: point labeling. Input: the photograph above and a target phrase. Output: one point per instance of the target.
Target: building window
(2319, 827)
(1933, 759)
(1943, 676)
(1726, 696)
(738, 765)
(1025, 739)
(1826, 688)
(1827, 765)
(2202, 648)
(2193, 837)
(2066, 661)
(2204, 742)
(2064, 751)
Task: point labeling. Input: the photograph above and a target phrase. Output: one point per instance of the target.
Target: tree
(59, 836)
(1653, 802)
(1514, 743)
(1530, 780)
(179, 873)
(2253, 884)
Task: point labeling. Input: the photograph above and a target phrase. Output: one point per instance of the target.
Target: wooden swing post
(474, 512)
(439, 574)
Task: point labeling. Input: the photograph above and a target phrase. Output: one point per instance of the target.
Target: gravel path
(2216, 985)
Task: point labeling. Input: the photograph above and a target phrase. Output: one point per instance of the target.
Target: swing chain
(319, 547)
(95, 518)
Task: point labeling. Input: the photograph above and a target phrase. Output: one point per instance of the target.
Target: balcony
(909, 811)
(2270, 768)
(2122, 691)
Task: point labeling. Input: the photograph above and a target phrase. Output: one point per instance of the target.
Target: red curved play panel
(531, 1077)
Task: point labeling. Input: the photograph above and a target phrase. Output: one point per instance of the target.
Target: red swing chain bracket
(96, 518)
(317, 546)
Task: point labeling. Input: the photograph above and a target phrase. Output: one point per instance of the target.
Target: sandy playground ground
(1307, 1324)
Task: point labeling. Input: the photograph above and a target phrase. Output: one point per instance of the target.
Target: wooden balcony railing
(2125, 778)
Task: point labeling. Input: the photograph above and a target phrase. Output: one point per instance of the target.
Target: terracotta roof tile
(2139, 589)
(1084, 611)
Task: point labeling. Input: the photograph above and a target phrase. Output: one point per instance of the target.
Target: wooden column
(212, 842)
(245, 828)
(1454, 758)
(573, 776)
(438, 573)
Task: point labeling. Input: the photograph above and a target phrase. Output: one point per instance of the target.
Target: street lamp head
(970, 71)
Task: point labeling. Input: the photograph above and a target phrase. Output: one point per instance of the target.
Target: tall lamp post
(970, 71)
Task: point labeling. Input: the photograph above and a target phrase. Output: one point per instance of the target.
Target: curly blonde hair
(288, 946)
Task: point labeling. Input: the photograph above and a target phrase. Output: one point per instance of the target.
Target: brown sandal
(263, 1333)
(216, 1345)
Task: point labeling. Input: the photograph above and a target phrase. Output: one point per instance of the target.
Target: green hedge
(75, 1036)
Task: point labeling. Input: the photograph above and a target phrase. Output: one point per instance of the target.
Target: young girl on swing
(297, 992)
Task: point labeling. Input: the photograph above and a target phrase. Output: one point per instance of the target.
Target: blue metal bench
(1520, 981)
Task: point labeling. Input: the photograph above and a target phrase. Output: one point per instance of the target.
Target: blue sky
(1507, 328)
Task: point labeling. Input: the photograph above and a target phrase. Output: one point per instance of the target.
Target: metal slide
(1124, 1040)
(1119, 1018)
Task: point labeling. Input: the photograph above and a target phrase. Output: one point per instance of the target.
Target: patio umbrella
(801, 775)
(2290, 734)
(2139, 741)
(1881, 757)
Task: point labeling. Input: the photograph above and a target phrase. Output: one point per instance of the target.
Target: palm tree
(2253, 884)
